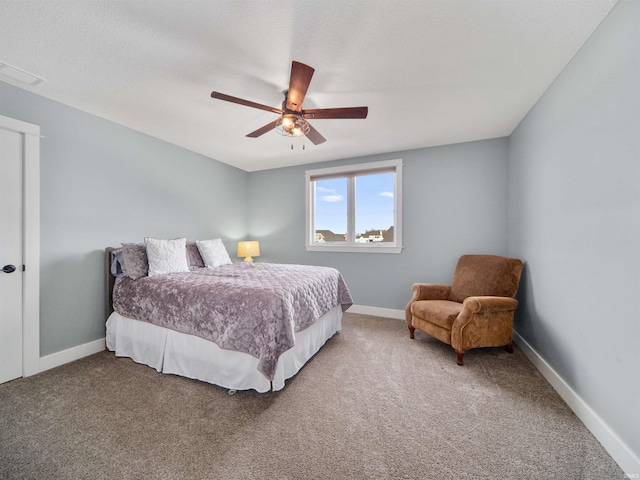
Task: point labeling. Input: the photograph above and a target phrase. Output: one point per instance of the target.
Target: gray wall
(454, 202)
(574, 217)
(103, 184)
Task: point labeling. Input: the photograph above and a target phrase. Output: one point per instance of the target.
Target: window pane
(330, 210)
(374, 208)
(355, 208)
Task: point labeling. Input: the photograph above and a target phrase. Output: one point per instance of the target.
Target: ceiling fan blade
(348, 112)
(315, 136)
(262, 130)
(298, 84)
(247, 103)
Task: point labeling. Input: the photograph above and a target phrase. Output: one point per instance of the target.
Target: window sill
(354, 249)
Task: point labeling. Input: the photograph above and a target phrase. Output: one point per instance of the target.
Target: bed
(237, 325)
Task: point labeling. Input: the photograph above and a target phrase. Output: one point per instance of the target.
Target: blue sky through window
(374, 203)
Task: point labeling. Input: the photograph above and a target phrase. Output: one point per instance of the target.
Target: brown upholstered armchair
(476, 310)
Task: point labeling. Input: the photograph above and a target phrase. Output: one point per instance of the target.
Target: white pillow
(213, 252)
(166, 256)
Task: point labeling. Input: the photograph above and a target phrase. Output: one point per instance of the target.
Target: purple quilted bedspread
(253, 308)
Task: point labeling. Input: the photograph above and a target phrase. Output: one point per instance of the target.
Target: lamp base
(248, 259)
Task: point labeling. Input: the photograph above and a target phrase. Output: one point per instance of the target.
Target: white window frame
(351, 172)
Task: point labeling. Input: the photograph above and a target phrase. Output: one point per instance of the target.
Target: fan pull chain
(303, 145)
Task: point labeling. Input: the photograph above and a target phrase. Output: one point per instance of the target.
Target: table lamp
(248, 250)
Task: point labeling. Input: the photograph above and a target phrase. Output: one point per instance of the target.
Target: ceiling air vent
(14, 73)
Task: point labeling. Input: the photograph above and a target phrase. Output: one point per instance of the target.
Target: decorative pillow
(117, 262)
(166, 256)
(134, 256)
(213, 252)
(193, 255)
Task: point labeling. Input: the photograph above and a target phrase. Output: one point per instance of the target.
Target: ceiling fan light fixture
(291, 122)
(290, 125)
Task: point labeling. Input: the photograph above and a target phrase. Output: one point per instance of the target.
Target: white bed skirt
(189, 356)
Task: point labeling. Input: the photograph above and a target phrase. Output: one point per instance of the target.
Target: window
(355, 208)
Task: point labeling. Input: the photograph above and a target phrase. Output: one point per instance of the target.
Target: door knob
(9, 268)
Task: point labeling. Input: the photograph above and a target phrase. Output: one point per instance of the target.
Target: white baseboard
(71, 354)
(377, 311)
(619, 451)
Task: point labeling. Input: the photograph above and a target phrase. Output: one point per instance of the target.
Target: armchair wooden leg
(412, 329)
(509, 348)
(459, 359)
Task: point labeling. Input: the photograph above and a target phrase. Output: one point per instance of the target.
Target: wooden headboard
(110, 281)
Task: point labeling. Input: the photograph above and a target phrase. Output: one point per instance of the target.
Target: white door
(11, 182)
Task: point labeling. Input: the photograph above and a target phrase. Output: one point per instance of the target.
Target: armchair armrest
(489, 304)
(483, 322)
(430, 291)
(426, 291)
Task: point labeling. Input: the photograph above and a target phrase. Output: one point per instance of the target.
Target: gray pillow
(117, 262)
(193, 255)
(136, 264)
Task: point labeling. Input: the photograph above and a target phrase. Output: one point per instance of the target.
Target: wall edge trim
(71, 354)
(612, 443)
(377, 311)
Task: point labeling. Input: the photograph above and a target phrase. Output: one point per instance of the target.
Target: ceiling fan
(293, 119)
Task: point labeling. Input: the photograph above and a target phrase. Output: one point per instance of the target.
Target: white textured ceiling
(432, 72)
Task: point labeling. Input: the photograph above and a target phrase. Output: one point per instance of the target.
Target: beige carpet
(371, 404)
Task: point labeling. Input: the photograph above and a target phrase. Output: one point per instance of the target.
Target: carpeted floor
(371, 404)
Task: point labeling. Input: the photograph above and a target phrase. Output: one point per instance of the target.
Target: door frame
(30, 242)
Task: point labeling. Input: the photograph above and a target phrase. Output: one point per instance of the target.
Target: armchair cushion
(441, 312)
